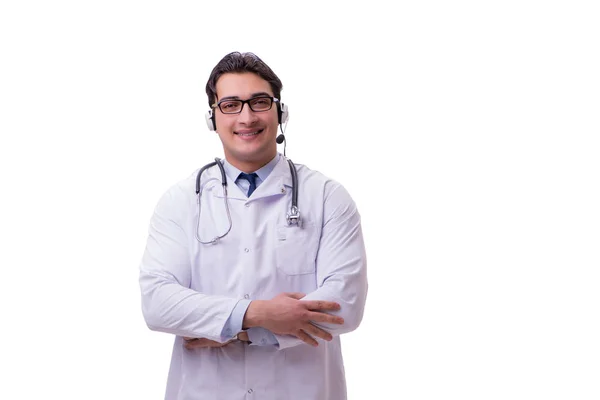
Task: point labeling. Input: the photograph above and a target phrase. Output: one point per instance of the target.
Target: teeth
(248, 134)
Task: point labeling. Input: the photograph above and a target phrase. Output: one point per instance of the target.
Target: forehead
(242, 85)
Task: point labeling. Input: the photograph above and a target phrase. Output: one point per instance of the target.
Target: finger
(202, 343)
(306, 338)
(189, 345)
(325, 318)
(194, 343)
(322, 305)
(294, 295)
(243, 336)
(317, 332)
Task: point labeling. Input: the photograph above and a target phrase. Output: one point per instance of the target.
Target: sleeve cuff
(234, 323)
(261, 337)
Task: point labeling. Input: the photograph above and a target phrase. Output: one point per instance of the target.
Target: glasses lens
(231, 106)
(261, 104)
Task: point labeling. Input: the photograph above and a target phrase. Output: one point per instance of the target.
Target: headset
(282, 116)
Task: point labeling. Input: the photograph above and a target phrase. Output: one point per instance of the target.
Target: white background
(466, 131)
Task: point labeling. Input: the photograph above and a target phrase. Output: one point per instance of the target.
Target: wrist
(254, 314)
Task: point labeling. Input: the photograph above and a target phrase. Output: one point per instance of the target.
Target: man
(256, 297)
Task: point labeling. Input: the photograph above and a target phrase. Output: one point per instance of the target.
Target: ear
(210, 120)
(283, 114)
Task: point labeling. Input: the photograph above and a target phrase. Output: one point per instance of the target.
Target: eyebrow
(259, 94)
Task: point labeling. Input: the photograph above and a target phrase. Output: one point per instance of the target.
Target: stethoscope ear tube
(207, 166)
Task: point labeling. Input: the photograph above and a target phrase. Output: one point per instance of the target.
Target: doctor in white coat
(258, 312)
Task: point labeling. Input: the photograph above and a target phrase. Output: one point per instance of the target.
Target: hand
(201, 343)
(286, 314)
(243, 336)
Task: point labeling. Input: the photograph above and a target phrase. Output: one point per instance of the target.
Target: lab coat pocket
(296, 249)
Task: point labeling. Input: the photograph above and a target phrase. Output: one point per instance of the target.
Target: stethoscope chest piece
(293, 217)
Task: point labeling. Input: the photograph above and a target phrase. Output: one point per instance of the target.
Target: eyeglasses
(256, 104)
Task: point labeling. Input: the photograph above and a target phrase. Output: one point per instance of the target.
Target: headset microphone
(280, 139)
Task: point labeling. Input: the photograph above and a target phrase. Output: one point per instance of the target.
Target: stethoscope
(292, 218)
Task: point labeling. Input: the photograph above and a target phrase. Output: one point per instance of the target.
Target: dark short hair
(237, 62)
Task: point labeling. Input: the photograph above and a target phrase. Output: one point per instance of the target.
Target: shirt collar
(263, 172)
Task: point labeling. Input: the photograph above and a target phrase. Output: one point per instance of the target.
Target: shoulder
(180, 193)
(313, 177)
(316, 182)
(337, 208)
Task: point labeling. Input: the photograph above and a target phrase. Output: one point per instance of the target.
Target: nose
(247, 116)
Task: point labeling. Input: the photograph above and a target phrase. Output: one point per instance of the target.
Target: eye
(229, 105)
(261, 103)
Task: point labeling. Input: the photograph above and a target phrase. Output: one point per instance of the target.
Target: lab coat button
(246, 249)
(247, 204)
(246, 296)
(250, 391)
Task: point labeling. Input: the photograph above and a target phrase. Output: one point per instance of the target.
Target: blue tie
(250, 178)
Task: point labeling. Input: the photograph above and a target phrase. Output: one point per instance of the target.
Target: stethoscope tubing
(293, 217)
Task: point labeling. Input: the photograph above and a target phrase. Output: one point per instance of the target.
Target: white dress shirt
(191, 289)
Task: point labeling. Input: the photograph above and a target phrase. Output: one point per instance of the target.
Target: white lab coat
(190, 289)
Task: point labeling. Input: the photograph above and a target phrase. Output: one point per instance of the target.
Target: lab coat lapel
(277, 183)
(233, 191)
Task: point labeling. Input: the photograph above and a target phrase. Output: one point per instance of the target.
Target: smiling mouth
(248, 134)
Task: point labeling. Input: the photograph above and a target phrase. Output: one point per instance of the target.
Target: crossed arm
(285, 314)
(335, 307)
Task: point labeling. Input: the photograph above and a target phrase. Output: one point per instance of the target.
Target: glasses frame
(273, 100)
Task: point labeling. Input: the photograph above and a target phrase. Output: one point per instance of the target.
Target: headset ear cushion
(210, 120)
(283, 114)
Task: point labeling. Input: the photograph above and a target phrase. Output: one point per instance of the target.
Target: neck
(249, 166)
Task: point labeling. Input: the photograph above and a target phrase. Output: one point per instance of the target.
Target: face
(248, 137)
